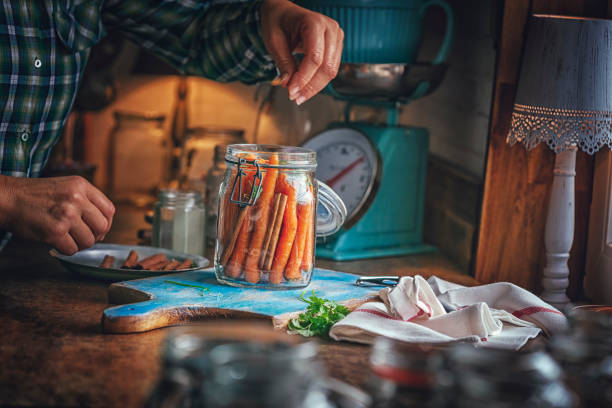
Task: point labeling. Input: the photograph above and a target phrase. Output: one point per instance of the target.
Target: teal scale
(393, 223)
(389, 221)
(379, 170)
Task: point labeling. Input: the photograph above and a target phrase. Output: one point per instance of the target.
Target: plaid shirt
(44, 46)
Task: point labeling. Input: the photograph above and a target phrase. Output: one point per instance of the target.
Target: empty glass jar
(403, 375)
(484, 378)
(235, 366)
(179, 221)
(269, 202)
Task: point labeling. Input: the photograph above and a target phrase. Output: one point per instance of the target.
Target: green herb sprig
(204, 288)
(320, 315)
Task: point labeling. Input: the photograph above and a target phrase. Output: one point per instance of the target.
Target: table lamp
(564, 98)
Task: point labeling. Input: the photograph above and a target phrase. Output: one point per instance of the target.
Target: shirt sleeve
(220, 41)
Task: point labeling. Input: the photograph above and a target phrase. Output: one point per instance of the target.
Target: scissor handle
(377, 280)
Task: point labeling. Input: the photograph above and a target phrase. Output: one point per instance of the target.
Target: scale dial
(347, 162)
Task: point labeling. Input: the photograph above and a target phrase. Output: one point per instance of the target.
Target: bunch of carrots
(274, 236)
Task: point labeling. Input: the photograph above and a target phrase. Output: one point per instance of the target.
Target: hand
(67, 213)
(287, 28)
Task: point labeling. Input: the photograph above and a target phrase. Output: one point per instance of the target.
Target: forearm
(219, 41)
(7, 201)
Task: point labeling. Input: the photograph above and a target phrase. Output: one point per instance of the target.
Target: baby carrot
(287, 236)
(308, 250)
(261, 215)
(232, 226)
(227, 217)
(233, 269)
(304, 215)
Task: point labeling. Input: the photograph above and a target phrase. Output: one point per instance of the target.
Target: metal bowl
(87, 261)
(387, 82)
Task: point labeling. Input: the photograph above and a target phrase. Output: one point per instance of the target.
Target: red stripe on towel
(533, 309)
(386, 316)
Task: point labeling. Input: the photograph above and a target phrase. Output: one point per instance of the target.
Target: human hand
(288, 28)
(67, 213)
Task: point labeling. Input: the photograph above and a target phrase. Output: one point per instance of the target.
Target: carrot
(262, 214)
(304, 215)
(233, 269)
(233, 226)
(227, 215)
(308, 250)
(287, 236)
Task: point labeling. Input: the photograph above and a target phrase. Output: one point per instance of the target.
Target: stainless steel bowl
(387, 82)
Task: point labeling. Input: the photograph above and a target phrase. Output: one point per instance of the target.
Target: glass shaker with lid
(271, 208)
(179, 221)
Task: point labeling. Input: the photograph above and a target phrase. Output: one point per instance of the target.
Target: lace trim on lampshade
(561, 128)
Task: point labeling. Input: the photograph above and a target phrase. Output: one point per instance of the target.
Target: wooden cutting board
(151, 303)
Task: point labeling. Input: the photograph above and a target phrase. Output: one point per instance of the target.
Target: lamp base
(559, 233)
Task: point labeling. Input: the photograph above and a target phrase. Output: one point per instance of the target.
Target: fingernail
(293, 92)
(300, 100)
(284, 78)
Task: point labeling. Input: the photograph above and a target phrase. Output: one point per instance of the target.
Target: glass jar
(138, 156)
(403, 375)
(221, 366)
(585, 352)
(214, 177)
(484, 378)
(270, 210)
(179, 221)
(198, 150)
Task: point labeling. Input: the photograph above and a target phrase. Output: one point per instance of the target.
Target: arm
(67, 213)
(234, 41)
(217, 41)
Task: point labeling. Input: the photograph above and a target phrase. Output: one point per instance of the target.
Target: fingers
(312, 35)
(82, 235)
(80, 215)
(95, 220)
(327, 70)
(66, 245)
(280, 52)
(103, 204)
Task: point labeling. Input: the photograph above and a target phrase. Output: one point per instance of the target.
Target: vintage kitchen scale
(378, 169)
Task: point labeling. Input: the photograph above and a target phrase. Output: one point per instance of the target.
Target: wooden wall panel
(517, 183)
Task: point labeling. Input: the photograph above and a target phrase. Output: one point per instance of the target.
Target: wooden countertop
(52, 350)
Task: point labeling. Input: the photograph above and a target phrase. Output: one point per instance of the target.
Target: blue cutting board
(151, 303)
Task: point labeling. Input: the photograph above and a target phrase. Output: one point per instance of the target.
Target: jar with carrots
(270, 211)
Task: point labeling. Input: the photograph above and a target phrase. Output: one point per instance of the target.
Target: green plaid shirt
(44, 46)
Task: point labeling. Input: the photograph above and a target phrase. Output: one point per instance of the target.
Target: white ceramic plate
(87, 262)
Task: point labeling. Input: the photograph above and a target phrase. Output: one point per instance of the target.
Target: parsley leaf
(320, 315)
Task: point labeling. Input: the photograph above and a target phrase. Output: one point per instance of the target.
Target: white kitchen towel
(498, 315)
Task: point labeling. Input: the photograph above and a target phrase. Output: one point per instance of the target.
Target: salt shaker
(179, 221)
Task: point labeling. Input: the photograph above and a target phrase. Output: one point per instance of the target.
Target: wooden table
(52, 350)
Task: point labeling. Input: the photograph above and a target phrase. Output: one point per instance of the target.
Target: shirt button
(25, 136)
(37, 63)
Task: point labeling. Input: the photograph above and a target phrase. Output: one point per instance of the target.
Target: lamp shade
(564, 96)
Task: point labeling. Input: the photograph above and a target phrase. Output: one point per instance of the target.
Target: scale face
(348, 162)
